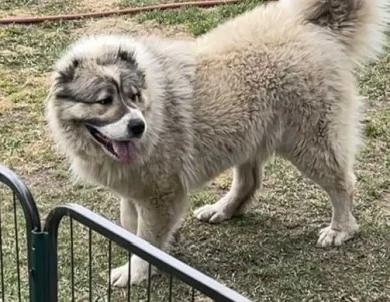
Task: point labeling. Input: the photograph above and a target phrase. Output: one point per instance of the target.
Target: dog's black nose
(136, 127)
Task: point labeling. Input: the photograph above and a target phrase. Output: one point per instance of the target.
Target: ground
(269, 254)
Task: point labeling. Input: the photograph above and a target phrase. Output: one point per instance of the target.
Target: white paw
(120, 276)
(213, 213)
(331, 237)
(139, 273)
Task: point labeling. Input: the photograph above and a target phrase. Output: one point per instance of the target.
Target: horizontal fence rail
(43, 261)
(136, 246)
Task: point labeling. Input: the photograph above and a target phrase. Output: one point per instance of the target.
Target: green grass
(34, 47)
(197, 20)
(34, 7)
(268, 254)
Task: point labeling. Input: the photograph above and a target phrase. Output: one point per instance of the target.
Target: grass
(35, 7)
(268, 254)
(198, 21)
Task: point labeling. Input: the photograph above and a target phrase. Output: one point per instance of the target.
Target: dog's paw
(336, 236)
(139, 273)
(331, 237)
(120, 276)
(212, 213)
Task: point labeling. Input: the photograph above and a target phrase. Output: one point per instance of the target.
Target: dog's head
(101, 98)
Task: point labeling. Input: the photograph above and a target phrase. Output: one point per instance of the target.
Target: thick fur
(278, 79)
(358, 24)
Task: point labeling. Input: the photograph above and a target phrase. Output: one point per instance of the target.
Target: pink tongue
(124, 151)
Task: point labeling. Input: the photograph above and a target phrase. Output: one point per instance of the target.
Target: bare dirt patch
(121, 26)
(96, 6)
(15, 12)
(5, 104)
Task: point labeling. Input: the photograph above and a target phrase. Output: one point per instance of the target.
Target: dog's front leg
(158, 217)
(129, 216)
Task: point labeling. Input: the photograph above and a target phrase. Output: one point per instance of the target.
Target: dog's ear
(126, 56)
(67, 74)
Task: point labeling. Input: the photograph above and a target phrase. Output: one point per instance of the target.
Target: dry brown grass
(96, 5)
(131, 27)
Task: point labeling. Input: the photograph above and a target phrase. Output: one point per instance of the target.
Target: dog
(154, 118)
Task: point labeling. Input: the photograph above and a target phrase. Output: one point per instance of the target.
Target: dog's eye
(135, 98)
(105, 101)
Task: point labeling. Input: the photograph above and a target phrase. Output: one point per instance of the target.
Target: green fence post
(39, 267)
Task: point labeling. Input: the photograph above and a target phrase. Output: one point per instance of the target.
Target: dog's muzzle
(123, 151)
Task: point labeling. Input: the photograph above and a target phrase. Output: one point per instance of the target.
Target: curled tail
(360, 25)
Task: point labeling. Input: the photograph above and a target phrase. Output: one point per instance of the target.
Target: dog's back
(359, 25)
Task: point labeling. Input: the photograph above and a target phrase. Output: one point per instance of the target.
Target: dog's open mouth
(123, 151)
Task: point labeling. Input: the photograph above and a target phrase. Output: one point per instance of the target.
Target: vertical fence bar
(17, 245)
(170, 287)
(129, 279)
(90, 263)
(1, 259)
(53, 259)
(72, 257)
(149, 280)
(42, 282)
(109, 270)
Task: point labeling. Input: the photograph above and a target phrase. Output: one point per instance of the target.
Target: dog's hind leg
(330, 166)
(343, 224)
(247, 179)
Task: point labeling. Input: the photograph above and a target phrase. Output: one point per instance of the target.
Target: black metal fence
(39, 273)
